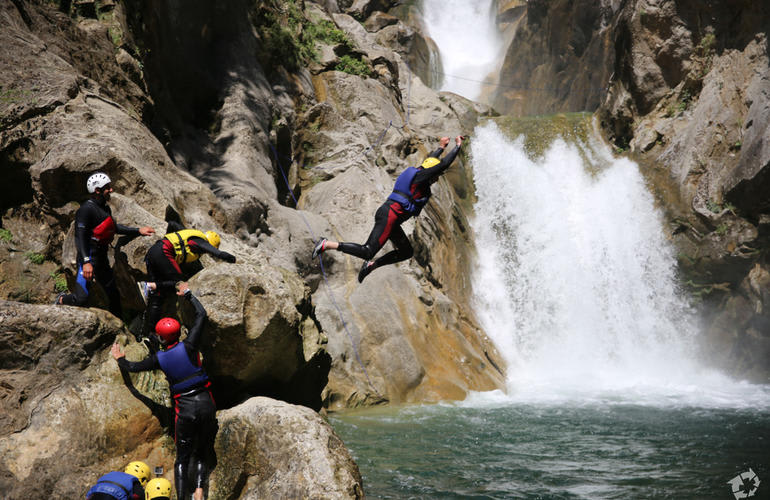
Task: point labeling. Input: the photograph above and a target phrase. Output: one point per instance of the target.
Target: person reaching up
(196, 421)
(410, 194)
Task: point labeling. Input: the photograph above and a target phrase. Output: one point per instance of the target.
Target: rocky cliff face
(219, 116)
(683, 86)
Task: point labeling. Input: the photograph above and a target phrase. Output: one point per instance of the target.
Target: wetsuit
(195, 422)
(163, 262)
(95, 229)
(391, 214)
(116, 486)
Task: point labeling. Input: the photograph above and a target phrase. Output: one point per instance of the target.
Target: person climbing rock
(95, 228)
(126, 485)
(158, 489)
(164, 260)
(410, 194)
(196, 422)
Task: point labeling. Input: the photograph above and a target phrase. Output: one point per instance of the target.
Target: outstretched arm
(195, 333)
(148, 363)
(199, 245)
(433, 173)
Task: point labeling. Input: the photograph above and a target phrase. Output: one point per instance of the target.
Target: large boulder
(67, 412)
(271, 449)
(263, 337)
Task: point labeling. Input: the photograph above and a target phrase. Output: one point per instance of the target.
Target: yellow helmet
(430, 162)
(213, 238)
(158, 488)
(139, 470)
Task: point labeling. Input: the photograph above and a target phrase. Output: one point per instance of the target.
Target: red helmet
(168, 330)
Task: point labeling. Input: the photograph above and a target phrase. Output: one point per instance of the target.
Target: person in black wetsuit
(163, 260)
(95, 229)
(410, 194)
(196, 422)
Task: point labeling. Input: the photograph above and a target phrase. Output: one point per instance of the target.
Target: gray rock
(270, 449)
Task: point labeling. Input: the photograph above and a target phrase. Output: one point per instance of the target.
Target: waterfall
(468, 39)
(576, 282)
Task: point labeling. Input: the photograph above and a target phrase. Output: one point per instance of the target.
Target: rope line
(515, 87)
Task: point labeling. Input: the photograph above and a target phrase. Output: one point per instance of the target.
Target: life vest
(181, 373)
(104, 233)
(119, 485)
(402, 192)
(179, 239)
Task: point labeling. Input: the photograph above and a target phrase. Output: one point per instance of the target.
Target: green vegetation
(5, 235)
(349, 64)
(717, 208)
(721, 229)
(289, 39)
(706, 45)
(326, 31)
(59, 282)
(35, 258)
(116, 35)
(13, 96)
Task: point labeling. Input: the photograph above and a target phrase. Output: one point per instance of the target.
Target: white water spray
(575, 281)
(470, 45)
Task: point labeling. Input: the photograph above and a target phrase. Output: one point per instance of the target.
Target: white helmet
(97, 180)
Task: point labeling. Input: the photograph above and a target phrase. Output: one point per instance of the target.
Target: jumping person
(95, 229)
(196, 422)
(126, 485)
(409, 196)
(163, 260)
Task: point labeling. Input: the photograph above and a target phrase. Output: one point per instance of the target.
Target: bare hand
(146, 231)
(88, 271)
(117, 353)
(182, 287)
(444, 142)
(459, 140)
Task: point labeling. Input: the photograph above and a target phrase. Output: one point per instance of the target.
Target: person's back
(116, 486)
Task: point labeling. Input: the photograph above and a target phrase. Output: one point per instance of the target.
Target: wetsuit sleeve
(83, 228)
(199, 245)
(436, 153)
(433, 173)
(131, 231)
(147, 364)
(173, 226)
(195, 333)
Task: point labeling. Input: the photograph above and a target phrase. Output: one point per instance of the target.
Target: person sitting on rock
(409, 196)
(196, 422)
(158, 489)
(126, 485)
(95, 229)
(163, 260)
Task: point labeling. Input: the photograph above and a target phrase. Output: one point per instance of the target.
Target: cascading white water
(470, 46)
(576, 280)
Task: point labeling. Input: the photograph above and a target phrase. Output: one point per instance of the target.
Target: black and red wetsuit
(391, 214)
(95, 229)
(164, 270)
(196, 422)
